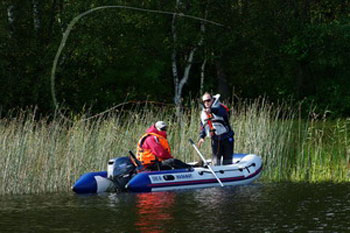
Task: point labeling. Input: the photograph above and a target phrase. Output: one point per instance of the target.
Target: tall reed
(38, 156)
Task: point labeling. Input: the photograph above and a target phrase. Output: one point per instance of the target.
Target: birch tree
(202, 71)
(10, 19)
(179, 82)
(36, 15)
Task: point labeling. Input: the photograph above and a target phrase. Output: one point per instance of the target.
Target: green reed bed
(38, 156)
(324, 152)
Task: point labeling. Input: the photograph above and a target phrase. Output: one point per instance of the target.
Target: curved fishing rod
(76, 19)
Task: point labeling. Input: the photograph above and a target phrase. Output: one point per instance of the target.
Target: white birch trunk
(201, 91)
(179, 83)
(173, 60)
(36, 16)
(201, 88)
(10, 19)
(59, 15)
(177, 98)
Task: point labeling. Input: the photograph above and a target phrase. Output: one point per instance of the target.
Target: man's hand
(200, 142)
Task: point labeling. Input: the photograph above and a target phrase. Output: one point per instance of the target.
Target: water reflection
(154, 211)
(283, 207)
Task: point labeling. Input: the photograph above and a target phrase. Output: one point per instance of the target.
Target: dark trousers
(174, 164)
(222, 149)
(168, 164)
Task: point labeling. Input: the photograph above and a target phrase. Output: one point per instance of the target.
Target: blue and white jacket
(220, 121)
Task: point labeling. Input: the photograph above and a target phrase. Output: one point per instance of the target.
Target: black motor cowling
(120, 171)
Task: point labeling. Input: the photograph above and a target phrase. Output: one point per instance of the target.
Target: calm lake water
(259, 207)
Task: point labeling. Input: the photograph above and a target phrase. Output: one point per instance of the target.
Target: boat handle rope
(236, 169)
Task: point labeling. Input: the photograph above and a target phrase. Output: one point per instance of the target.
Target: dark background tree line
(281, 49)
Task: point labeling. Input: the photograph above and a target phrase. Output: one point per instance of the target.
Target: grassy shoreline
(40, 157)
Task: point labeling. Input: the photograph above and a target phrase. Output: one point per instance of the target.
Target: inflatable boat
(122, 175)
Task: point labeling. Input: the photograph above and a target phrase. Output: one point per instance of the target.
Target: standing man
(153, 150)
(215, 124)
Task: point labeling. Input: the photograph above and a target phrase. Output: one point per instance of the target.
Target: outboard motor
(120, 171)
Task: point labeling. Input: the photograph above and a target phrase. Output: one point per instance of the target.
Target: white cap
(160, 125)
(206, 97)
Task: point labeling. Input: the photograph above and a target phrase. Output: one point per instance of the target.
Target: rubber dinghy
(121, 176)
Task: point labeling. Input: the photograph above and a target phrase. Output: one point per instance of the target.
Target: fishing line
(76, 19)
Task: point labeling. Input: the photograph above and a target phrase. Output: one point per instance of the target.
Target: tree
(179, 83)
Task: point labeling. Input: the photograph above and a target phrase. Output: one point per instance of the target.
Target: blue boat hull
(245, 169)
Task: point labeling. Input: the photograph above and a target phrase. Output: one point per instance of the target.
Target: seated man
(153, 150)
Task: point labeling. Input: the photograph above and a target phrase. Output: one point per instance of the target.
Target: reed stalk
(48, 155)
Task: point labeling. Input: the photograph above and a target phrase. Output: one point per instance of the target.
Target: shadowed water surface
(282, 207)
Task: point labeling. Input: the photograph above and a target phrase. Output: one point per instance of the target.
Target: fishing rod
(205, 162)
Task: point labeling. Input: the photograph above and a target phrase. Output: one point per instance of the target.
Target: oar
(136, 162)
(205, 162)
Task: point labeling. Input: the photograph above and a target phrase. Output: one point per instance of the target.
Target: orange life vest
(145, 156)
(211, 127)
(210, 123)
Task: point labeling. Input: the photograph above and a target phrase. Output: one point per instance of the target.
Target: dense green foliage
(283, 49)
